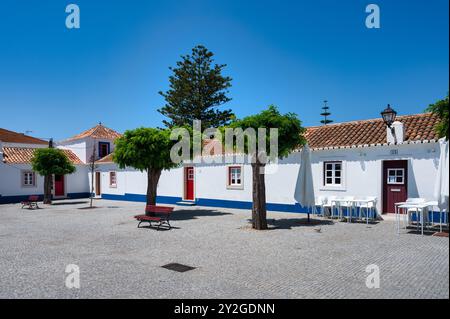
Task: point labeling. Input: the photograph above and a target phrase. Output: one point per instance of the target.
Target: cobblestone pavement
(291, 260)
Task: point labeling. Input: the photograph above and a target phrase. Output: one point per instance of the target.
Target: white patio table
(365, 202)
(417, 207)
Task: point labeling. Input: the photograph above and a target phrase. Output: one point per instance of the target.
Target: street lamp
(388, 116)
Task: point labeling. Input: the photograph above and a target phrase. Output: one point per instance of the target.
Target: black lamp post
(388, 116)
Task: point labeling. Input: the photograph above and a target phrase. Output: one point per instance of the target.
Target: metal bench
(157, 214)
(31, 202)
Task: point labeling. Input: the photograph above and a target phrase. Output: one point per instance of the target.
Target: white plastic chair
(328, 205)
(320, 200)
(368, 204)
(346, 202)
(413, 211)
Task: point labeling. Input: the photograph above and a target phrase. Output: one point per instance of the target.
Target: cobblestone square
(291, 260)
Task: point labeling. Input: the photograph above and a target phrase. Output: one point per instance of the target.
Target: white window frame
(229, 177)
(111, 184)
(33, 176)
(395, 175)
(333, 187)
(333, 174)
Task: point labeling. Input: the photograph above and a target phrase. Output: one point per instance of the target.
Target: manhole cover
(178, 267)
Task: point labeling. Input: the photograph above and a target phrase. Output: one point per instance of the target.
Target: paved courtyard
(292, 260)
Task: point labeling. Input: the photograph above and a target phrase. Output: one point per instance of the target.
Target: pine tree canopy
(197, 89)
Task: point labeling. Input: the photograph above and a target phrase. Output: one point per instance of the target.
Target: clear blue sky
(57, 82)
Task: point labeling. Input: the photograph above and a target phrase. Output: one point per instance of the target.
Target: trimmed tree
(145, 149)
(48, 162)
(441, 109)
(197, 89)
(290, 137)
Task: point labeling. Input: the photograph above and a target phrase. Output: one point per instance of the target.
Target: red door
(395, 184)
(59, 185)
(189, 183)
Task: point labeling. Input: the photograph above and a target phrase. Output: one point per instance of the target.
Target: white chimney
(395, 133)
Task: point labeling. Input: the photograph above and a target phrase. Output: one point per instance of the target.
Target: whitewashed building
(359, 158)
(17, 179)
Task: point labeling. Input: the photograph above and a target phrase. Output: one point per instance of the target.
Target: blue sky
(58, 82)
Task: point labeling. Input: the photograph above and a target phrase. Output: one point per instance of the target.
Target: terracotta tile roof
(13, 137)
(18, 155)
(99, 132)
(106, 160)
(418, 127)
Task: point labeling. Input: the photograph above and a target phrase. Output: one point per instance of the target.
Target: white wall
(84, 147)
(11, 181)
(78, 147)
(362, 175)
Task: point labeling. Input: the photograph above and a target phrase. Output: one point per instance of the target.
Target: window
(112, 179)
(103, 149)
(234, 176)
(332, 173)
(396, 176)
(28, 179)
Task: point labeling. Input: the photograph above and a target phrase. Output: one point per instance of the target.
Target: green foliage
(48, 161)
(196, 90)
(441, 108)
(290, 131)
(144, 148)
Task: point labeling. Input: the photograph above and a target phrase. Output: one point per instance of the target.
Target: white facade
(361, 176)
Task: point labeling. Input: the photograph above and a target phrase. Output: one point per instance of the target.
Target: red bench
(31, 202)
(160, 215)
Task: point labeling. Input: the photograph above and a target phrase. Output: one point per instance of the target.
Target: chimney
(395, 133)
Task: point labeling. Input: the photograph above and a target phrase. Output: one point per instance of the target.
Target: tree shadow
(69, 203)
(289, 223)
(186, 214)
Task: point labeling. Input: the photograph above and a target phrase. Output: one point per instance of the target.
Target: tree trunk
(152, 183)
(259, 213)
(48, 189)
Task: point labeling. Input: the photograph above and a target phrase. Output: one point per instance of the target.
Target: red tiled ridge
(19, 155)
(98, 132)
(13, 137)
(106, 160)
(418, 127)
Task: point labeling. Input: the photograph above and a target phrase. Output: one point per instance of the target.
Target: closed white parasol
(442, 180)
(304, 190)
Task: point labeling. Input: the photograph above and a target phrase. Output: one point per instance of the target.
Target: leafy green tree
(146, 149)
(197, 89)
(441, 108)
(48, 162)
(290, 137)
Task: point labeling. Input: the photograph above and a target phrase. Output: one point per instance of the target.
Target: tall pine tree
(197, 89)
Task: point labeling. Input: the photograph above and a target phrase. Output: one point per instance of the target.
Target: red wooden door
(189, 183)
(395, 184)
(59, 185)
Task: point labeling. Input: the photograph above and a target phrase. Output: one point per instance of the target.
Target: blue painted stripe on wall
(20, 198)
(291, 208)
